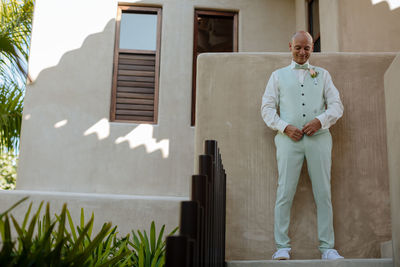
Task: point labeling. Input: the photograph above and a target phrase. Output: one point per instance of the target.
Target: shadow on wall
(67, 137)
(78, 86)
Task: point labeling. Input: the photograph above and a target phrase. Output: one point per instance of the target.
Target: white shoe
(282, 254)
(331, 254)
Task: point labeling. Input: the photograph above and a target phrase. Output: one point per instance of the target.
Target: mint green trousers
(290, 156)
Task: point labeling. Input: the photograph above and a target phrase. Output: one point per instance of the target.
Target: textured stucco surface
(392, 97)
(329, 25)
(356, 25)
(368, 27)
(126, 211)
(301, 18)
(230, 88)
(67, 142)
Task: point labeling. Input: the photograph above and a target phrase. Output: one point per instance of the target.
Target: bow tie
(304, 66)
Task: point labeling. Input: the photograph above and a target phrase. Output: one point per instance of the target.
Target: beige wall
(67, 141)
(368, 27)
(392, 97)
(329, 25)
(301, 17)
(356, 25)
(230, 88)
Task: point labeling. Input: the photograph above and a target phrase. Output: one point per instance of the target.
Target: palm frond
(11, 105)
(15, 31)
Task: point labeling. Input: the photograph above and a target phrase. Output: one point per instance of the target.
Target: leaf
(147, 249)
(141, 255)
(13, 206)
(160, 236)
(71, 226)
(2, 229)
(28, 237)
(27, 216)
(7, 242)
(82, 219)
(47, 220)
(61, 224)
(171, 233)
(93, 244)
(122, 252)
(161, 261)
(110, 238)
(114, 260)
(78, 243)
(156, 257)
(153, 237)
(91, 226)
(17, 227)
(174, 231)
(136, 241)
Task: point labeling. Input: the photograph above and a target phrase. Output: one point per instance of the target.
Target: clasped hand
(309, 129)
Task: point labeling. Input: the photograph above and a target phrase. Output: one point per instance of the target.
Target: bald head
(301, 46)
(302, 35)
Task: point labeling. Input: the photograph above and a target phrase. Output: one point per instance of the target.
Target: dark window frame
(205, 12)
(310, 23)
(117, 51)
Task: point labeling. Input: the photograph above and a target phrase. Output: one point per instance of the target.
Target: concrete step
(314, 263)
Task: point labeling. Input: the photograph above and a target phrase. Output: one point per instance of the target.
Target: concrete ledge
(127, 211)
(315, 263)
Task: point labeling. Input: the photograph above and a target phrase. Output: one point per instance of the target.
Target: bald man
(308, 104)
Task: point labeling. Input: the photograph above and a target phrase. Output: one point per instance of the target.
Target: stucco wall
(230, 88)
(356, 25)
(301, 18)
(125, 211)
(369, 25)
(67, 141)
(392, 97)
(329, 25)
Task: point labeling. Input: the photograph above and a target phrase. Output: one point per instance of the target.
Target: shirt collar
(293, 64)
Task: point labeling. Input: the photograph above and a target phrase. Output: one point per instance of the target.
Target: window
(313, 23)
(136, 65)
(214, 31)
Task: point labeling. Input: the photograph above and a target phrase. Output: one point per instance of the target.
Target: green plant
(149, 252)
(57, 241)
(15, 31)
(11, 105)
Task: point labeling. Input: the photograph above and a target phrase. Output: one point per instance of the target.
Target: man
(308, 105)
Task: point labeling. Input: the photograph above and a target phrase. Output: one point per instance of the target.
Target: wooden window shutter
(136, 65)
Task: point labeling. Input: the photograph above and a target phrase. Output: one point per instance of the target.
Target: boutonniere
(314, 75)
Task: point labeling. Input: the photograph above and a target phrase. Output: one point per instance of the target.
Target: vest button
(302, 93)
(304, 115)
(302, 85)
(303, 104)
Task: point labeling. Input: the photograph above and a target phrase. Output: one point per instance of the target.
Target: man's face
(301, 48)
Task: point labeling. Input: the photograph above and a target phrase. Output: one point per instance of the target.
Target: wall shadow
(68, 143)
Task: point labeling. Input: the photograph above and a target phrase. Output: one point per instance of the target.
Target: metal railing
(201, 239)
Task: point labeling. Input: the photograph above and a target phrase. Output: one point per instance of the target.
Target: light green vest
(300, 103)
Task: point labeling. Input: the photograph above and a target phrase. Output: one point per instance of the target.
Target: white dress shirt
(270, 100)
